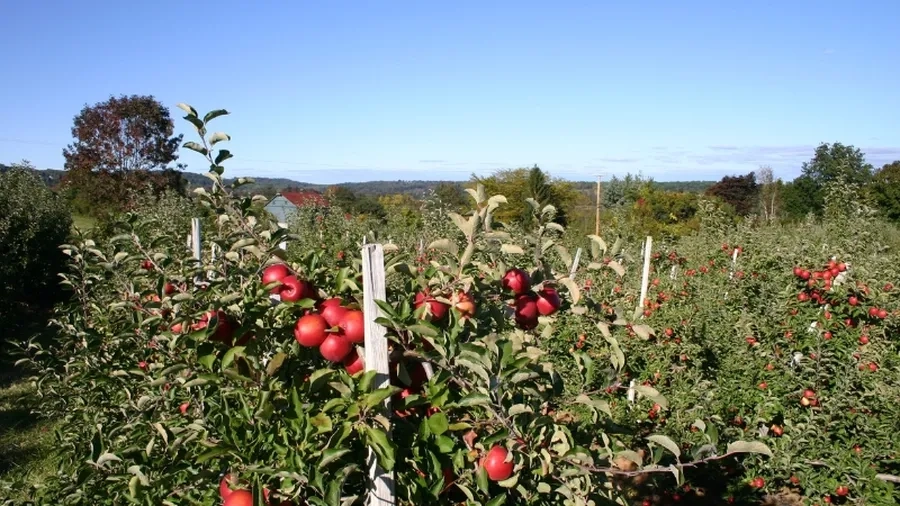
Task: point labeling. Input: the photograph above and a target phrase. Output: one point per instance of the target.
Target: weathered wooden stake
(645, 277)
(382, 482)
(574, 268)
(195, 237)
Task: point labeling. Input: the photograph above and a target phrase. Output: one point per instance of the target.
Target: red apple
(293, 289)
(548, 301)
(239, 498)
(223, 330)
(354, 362)
(274, 273)
(853, 300)
(436, 309)
(310, 330)
(229, 481)
(353, 325)
(498, 469)
(168, 289)
(334, 301)
(517, 281)
(526, 311)
(333, 314)
(335, 348)
(842, 491)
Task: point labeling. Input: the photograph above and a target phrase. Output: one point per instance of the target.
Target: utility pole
(597, 208)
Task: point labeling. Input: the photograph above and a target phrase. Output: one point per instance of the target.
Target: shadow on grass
(26, 439)
(31, 325)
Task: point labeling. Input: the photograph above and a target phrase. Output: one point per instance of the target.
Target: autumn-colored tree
(741, 192)
(123, 144)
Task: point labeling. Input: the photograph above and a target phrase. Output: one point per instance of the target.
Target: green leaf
(666, 442)
(107, 457)
(500, 499)
(518, 409)
(331, 455)
(481, 479)
(211, 115)
(749, 447)
(617, 267)
(193, 146)
(378, 397)
(445, 444)
(652, 394)
(512, 249)
(322, 422)
(598, 404)
(319, 378)
(573, 289)
(207, 361)
(383, 448)
(475, 399)
(643, 331)
(464, 225)
(599, 242)
(275, 363)
(188, 109)
(218, 137)
(423, 330)
(228, 359)
(445, 245)
(438, 423)
(212, 453)
(223, 155)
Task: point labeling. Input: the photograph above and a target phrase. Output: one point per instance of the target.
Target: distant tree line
(126, 145)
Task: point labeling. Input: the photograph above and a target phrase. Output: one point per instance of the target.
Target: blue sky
(360, 90)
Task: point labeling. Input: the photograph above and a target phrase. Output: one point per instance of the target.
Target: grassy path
(26, 440)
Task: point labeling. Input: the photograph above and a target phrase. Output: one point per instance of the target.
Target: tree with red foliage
(122, 144)
(741, 192)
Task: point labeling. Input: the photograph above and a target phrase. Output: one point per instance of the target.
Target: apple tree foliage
(169, 373)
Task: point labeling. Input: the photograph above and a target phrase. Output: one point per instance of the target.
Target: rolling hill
(266, 185)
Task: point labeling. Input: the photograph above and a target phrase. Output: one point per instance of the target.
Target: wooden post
(597, 209)
(574, 268)
(195, 237)
(382, 482)
(734, 256)
(645, 277)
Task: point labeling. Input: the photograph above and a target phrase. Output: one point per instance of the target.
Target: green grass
(26, 442)
(26, 439)
(83, 222)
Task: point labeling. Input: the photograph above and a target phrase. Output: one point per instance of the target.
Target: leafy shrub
(171, 373)
(33, 223)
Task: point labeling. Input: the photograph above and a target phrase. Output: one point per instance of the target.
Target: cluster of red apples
(333, 328)
(833, 269)
(528, 304)
(825, 277)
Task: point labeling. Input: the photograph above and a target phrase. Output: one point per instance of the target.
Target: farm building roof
(284, 204)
